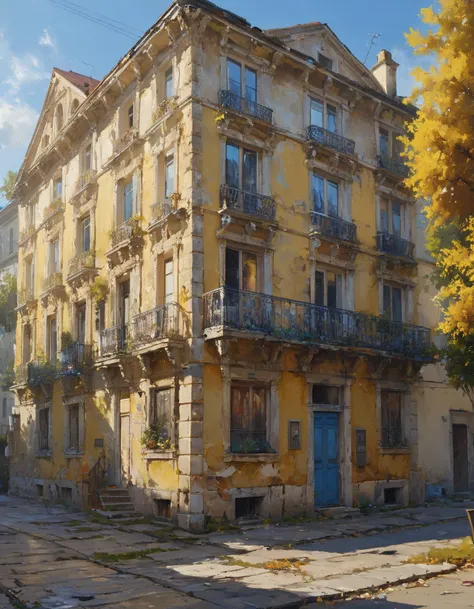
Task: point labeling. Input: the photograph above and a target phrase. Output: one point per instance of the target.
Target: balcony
(253, 205)
(395, 246)
(114, 341)
(235, 102)
(226, 309)
(80, 264)
(125, 232)
(74, 359)
(165, 210)
(25, 296)
(122, 143)
(392, 164)
(21, 374)
(41, 373)
(52, 209)
(83, 181)
(155, 325)
(53, 283)
(334, 227)
(330, 140)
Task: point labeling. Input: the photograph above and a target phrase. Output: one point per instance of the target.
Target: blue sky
(37, 35)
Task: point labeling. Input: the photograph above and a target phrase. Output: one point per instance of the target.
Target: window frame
(169, 161)
(27, 341)
(403, 443)
(44, 450)
(326, 181)
(131, 116)
(389, 201)
(169, 78)
(258, 166)
(324, 60)
(52, 345)
(392, 287)
(80, 402)
(259, 282)
(82, 231)
(325, 103)
(123, 197)
(392, 134)
(244, 67)
(152, 412)
(85, 155)
(251, 386)
(340, 297)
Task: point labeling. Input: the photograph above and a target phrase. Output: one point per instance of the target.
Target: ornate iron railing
(21, 374)
(161, 209)
(292, 320)
(25, 295)
(252, 204)
(41, 373)
(55, 280)
(162, 322)
(96, 480)
(123, 142)
(392, 437)
(84, 179)
(395, 165)
(114, 340)
(55, 206)
(396, 246)
(125, 231)
(75, 358)
(236, 102)
(333, 226)
(330, 139)
(86, 260)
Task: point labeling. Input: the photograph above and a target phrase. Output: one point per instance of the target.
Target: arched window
(59, 118)
(74, 105)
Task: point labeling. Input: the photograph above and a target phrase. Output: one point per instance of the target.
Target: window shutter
(136, 185)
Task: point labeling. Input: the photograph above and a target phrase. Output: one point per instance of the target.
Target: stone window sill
(396, 450)
(158, 455)
(251, 458)
(44, 454)
(75, 455)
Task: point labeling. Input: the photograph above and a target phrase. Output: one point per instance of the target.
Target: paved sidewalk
(63, 559)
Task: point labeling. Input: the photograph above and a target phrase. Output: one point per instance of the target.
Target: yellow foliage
(440, 148)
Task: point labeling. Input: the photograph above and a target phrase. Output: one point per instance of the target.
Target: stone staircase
(116, 503)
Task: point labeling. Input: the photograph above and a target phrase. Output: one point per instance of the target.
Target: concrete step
(113, 507)
(115, 492)
(118, 514)
(114, 498)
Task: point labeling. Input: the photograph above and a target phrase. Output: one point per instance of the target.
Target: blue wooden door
(326, 459)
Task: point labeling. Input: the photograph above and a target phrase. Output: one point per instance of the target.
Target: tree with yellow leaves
(440, 153)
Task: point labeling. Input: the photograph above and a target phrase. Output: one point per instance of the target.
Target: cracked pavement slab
(62, 559)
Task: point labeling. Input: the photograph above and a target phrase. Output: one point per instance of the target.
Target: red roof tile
(85, 83)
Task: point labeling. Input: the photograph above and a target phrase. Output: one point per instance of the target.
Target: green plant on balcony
(53, 207)
(156, 437)
(99, 289)
(53, 281)
(66, 340)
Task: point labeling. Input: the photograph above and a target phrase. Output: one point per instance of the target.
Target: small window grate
(162, 508)
(247, 507)
(390, 496)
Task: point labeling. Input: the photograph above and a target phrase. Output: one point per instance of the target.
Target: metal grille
(160, 210)
(330, 139)
(124, 232)
(86, 260)
(245, 106)
(161, 322)
(55, 280)
(74, 358)
(396, 166)
(249, 203)
(305, 322)
(114, 340)
(396, 246)
(41, 373)
(335, 227)
(84, 179)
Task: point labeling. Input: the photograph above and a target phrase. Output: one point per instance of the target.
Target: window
(43, 429)
(389, 144)
(392, 303)
(161, 412)
(384, 142)
(73, 428)
(241, 270)
(86, 234)
(59, 118)
(4, 408)
(26, 351)
(124, 310)
(128, 196)
(30, 216)
(29, 276)
(325, 61)
(328, 289)
(52, 342)
(169, 283)
(130, 116)
(81, 323)
(74, 105)
(54, 257)
(58, 188)
(241, 168)
(325, 196)
(169, 88)
(11, 242)
(323, 115)
(392, 428)
(326, 394)
(248, 426)
(88, 158)
(391, 217)
(45, 141)
(245, 86)
(169, 176)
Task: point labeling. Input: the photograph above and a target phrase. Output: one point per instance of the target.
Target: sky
(37, 35)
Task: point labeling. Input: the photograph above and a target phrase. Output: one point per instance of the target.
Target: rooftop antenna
(372, 42)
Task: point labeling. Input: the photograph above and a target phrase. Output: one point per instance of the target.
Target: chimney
(385, 71)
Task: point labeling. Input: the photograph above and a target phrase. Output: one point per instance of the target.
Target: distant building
(8, 264)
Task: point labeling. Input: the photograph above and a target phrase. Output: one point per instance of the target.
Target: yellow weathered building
(223, 280)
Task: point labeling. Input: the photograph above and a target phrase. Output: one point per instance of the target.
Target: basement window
(162, 508)
(248, 507)
(390, 496)
(66, 493)
(40, 490)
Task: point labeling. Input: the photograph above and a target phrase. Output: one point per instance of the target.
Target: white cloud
(46, 40)
(25, 70)
(17, 122)
(408, 62)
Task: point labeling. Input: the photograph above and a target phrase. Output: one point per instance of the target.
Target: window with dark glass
(27, 339)
(323, 115)
(57, 188)
(43, 420)
(73, 430)
(241, 270)
(169, 90)
(392, 303)
(52, 338)
(325, 196)
(11, 242)
(328, 289)
(169, 176)
(241, 168)
(130, 116)
(242, 82)
(326, 394)
(384, 142)
(248, 425)
(88, 158)
(128, 200)
(325, 61)
(81, 323)
(86, 234)
(392, 426)
(391, 217)
(161, 412)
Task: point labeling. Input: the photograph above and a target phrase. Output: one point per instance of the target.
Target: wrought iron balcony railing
(124, 232)
(395, 165)
(395, 246)
(245, 106)
(84, 179)
(161, 209)
(123, 142)
(333, 226)
(114, 340)
(162, 322)
(55, 206)
(74, 359)
(251, 204)
(330, 139)
(392, 437)
(42, 373)
(81, 262)
(292, 320)
(54, 281)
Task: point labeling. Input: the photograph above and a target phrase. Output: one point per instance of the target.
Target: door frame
(462, 417)
(344, 432)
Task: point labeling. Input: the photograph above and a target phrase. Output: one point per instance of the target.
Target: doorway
(326, 459)
(460, 458)
(124, 477)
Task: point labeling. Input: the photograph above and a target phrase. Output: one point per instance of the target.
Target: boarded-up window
(43, 422)
(325, 394)
(248, 419)
(392, 428)
(73, 430)
(161, 412)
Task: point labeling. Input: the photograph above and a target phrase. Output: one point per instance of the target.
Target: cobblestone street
(60, 559)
